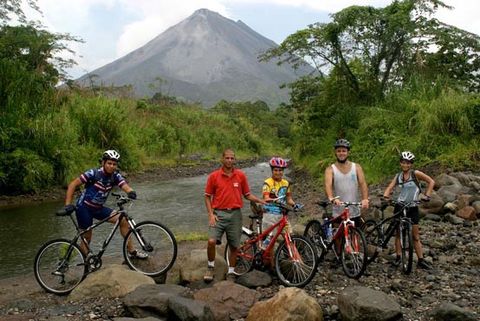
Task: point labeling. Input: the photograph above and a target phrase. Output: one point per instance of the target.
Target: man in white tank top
(345, 180)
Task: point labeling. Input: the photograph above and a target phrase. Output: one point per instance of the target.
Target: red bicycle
(347, 241)
(295, 259)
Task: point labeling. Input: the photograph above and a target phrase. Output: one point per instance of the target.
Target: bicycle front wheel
(406, 243)
(372, 236)
(59, 266)
(314, 231)
(245, 255)
(296, 263)
(159, 244)
(353, 253)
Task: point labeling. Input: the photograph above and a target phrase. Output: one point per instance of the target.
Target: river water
(179, 204)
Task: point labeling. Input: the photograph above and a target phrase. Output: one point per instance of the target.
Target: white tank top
(346, 186)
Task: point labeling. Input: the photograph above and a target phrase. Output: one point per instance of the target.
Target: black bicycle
(379, 236)
(60, 265)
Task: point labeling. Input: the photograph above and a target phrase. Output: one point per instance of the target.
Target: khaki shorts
(229, 222)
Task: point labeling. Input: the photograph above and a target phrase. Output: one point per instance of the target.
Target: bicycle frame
(342, 230)
(397, 220)
(122, 214)
(280, 225)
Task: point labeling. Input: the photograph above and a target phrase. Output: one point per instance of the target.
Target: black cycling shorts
(412, 213)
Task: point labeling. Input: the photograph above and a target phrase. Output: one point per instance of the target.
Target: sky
(113, 28)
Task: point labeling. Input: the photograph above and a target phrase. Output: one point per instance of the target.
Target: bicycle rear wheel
(296, 264)
(59, 266)
(406, 243)
(372, 236)
(160, 245)
(314, 231)
(353, 253)
(245, 256)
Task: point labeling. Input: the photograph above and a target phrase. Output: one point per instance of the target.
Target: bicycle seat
(256, 209)
(62, 212)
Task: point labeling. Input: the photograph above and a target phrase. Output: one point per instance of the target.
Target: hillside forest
(387, 79)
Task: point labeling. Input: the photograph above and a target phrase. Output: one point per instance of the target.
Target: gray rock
(194, 268)
(143, 319)
(228, 300)
(361, 303)
(445, 180)
(153, 300)
(455, 220)
(451, 312)
(254, 279)
(185, 309)
(432, 217)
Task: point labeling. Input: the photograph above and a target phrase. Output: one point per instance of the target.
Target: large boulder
(434, 206)
(450, 312)
(228, 300)
(468, 213)
(153, 299)
(113, 281)
(195, 266)
(445, 180)
(290, 304)
(360, 303)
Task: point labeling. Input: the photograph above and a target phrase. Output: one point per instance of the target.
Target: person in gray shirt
(408, 182)
(345, 182)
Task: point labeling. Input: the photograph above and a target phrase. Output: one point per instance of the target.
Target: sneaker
(208, 277)
(397, 261)
(138, 254)
(422, 264)
(231, 277)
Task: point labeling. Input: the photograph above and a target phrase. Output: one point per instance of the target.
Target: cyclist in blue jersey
(98, 184)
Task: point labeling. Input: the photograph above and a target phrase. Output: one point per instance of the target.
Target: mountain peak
(206, 57)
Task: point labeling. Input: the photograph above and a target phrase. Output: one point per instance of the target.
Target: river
(179, 204)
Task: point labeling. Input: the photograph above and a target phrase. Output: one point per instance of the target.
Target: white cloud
(145, 19)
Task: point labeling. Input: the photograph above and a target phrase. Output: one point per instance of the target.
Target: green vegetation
(379, 83)
(388, 79)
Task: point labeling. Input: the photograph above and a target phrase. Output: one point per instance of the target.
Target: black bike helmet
(342, 143)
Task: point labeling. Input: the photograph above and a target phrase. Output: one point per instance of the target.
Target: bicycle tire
(372, 236)
(161, 247)
(299, 270)
(54, 272)
(353, 254)
(406, 243)
(245, 256)
(314, 231)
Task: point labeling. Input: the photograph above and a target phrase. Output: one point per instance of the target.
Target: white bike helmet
(111, 155)
(406, 155)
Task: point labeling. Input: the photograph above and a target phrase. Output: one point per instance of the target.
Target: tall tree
(370, 49)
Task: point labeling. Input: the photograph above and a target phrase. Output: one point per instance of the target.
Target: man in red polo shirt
(223, 199)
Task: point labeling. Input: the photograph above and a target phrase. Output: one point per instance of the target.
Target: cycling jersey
(98, 186)
(276, 189)
(410, 189)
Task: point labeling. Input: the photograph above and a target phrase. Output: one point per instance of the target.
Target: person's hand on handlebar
(425, 198)
(336, 201)
(297, 206)
(69, 208)
(132, 195)
(365, 203)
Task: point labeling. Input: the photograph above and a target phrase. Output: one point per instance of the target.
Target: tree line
(388, 79)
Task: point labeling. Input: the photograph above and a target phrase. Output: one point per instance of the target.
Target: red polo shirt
(227, 190)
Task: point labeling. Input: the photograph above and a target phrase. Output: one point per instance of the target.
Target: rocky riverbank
(451, 244)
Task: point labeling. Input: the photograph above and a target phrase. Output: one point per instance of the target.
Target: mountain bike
(295, 259)
(399, 223)
(347, 241)
(60, 265)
